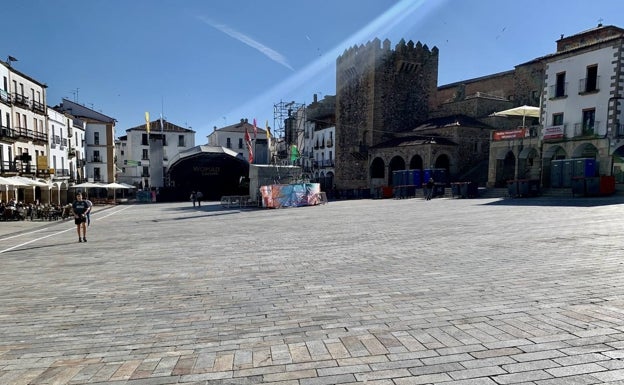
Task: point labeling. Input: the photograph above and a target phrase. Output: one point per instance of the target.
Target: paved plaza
(448, 291)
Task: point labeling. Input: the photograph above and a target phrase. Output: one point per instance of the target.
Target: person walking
(430, 187)
(88, 213)
(199, 197)
(79, 209)
(193, 197)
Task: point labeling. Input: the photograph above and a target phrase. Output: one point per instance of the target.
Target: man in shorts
(80, 208)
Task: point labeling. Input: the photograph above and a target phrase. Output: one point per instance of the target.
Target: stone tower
(379, 91)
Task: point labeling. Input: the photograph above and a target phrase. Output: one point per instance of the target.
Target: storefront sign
(509, 134)
(553, 132)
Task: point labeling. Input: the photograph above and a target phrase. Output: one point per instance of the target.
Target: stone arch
(442, 161)
(505, 168)
(555, 153)
(617, 168)
(377, 168)
(396, 163)
(585, 150)
(416, 163)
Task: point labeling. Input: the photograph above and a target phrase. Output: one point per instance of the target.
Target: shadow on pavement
(551, 201)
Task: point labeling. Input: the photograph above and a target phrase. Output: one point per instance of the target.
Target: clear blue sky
(207, 63)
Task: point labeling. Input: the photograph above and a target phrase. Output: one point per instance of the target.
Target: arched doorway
(442, 161)
(585, 150)
(396, 163)
(416, 163)
(377, 169)
(506, 169)
(617, 169)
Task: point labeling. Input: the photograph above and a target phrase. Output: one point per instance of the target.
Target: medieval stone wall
(379, 91)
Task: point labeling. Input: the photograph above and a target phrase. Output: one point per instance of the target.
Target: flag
(147, 122)
(11, 58)
(294, 153)
(268, 130)
(248, 141)
(255, 129)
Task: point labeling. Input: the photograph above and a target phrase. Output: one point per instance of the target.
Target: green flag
(294, 153)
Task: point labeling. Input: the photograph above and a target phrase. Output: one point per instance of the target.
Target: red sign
(509, 134)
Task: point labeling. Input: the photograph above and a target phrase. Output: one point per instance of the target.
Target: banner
(509, 134)
(553, 132)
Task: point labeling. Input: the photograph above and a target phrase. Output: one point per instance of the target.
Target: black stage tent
(214, 170)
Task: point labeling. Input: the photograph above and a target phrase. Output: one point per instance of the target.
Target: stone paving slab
(448, 291)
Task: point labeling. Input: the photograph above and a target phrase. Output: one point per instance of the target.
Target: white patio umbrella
(524, 111)
(87, 186)
(115, 186)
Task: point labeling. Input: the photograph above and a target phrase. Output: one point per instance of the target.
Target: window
(96, 174)
(590, 83)
(557, 119)
(240, 142)
(560, 86)
(96, 138)
(164, 138)
(145, 155)
(589, 120)
(144, 141)
(228, 143)
(145, 171)
(96, 156)
(181, 141)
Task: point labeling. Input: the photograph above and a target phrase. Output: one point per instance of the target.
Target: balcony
(329, 143)
(589, 85)
(558, 91)
(38, 107)
(71, 152)
(585, 129)
(96, 159)
(5, 97)
(7, 134)
(619, 130)
(21, 100)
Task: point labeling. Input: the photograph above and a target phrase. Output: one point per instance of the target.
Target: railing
(38, 107)
(30, 134)
(6, 132)
(619, 130)
(589, 85)
(329, 143)
(584, 129)
(5, 97)
(10, 166)
(20, 99)
(61, 173)
(96, 159)
(558, 91)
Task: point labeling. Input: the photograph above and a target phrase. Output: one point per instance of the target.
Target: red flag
(255, 129)
(248, 141)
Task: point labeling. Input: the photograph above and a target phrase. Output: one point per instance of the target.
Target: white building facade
(582, 108)
(66, 156)
(99, 141)
(24, 137)
(143, 159)
(232, 137)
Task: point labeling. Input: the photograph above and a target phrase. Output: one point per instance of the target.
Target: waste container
(534, 187)
(456, 189)
(592, 186)
(512, 188)
(578, 186)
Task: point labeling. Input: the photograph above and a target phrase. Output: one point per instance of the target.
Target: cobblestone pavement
(448, 291)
